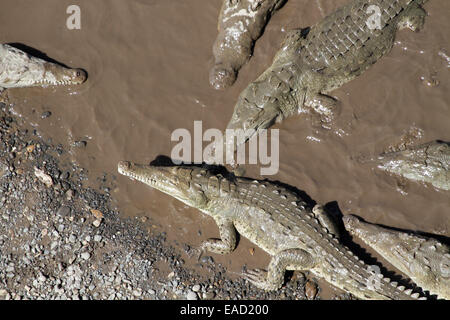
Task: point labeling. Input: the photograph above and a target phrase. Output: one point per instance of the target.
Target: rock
(137, 293)
(208, 295)
(191, 295)
(196, 288)
(43, 177)
(97, 223)
(46, 114)
(70, 194)
(97, 214)
(64, 211)
(310, 290)
(31, 148)
(79, 144)
(85, 255)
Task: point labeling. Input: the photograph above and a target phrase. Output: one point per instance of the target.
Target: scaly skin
(19, 69)
(429, 162)
(313, 62)
(273, 218)
(241, 23)
(425, 260)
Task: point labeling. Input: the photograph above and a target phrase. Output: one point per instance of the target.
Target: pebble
(42, 278)
(63, 211)
(137, 293)
(53, 245)
(310, 290)
(85, 255)
(97, 223)
(208, 295)
(46, 114)
(70, 194)
(191, 295)
(196, 288)
(79, 144)
(97, 238)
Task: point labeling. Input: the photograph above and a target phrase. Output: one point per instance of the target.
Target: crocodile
(278, 219)
(19, 69)
(314, 61)
(429, 163)
(241, 23)
(425, 260)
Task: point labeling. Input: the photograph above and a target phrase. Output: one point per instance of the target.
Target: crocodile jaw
(172, 180)
(56, 75)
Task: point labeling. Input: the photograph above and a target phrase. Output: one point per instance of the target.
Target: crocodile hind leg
(273, 278)
(227, 241)
(241, 23)
(413, 18)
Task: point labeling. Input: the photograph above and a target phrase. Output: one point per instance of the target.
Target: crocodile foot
(258, 278)
(327, 108)
(241, 23)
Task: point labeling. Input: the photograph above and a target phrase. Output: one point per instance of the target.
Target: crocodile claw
(256, 277)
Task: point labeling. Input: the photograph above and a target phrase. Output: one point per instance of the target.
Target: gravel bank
(59, 240)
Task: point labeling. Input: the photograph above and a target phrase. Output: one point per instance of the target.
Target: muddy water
(148, 64)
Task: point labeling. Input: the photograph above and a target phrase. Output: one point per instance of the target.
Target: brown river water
(148, 63)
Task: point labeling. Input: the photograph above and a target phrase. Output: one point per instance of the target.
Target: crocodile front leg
(326, 220)
(241, 23)
(273, 278)
(227, 241)
(325, 106)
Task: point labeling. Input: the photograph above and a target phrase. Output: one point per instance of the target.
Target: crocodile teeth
(401, 288)
(394, 284)
(408, 291)
(415, 295)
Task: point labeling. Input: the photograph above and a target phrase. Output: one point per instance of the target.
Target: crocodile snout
(79, 76)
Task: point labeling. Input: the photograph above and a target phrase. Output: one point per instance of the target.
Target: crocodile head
(425, 260)
(20, 69)
(176, 181)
